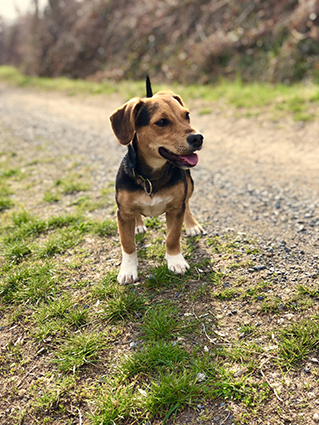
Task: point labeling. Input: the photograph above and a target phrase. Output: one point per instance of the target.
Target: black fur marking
(143, 117)
(149, 92)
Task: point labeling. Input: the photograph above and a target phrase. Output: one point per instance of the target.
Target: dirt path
(254, 175)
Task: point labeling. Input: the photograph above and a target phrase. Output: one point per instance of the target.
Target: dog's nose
(195, 140)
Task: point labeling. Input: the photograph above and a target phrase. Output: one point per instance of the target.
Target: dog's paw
(195, 231)
(140, 229)
(177, 263)
(128, 271)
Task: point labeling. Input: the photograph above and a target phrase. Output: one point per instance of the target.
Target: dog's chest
(154, 206)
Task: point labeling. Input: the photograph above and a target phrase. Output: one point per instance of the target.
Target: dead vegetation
(187, 41)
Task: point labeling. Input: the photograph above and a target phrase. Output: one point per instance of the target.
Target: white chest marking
(153, 207)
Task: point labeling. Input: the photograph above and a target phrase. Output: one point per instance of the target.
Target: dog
(154, 176)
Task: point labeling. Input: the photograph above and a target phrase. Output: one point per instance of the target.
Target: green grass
(31, 284)
(299, 100)
(160, 275)
(71, 185)
(85, 348)
(163, 322)
(79, 350)
(115, 403)
(124, 305)
(298, 341)
(155, 357)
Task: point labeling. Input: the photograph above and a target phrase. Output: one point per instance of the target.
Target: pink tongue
(191, 159)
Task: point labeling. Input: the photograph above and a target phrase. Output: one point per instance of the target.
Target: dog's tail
(149, 92)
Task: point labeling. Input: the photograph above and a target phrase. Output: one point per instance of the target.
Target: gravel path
(255, 176)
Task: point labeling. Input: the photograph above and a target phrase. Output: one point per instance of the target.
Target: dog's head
(162, 127)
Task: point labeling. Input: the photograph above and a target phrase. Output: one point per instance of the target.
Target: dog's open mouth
(182, 161)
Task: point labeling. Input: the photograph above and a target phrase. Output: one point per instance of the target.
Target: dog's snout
(195, 140)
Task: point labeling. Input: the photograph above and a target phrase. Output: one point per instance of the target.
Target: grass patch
(71, 185)
(116, 403)
(298, 341)
(297, 100)
(155, 357)
(124, 305)
(79, 350)
(160, 276)
(172, 392)
(163, 322)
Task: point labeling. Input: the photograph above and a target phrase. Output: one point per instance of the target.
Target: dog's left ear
(123, 120)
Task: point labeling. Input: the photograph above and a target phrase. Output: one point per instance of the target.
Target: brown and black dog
(154, 176)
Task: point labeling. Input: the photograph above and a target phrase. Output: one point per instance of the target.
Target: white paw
(195, 231)
(140, 229)
(176, 263)
(128, 271)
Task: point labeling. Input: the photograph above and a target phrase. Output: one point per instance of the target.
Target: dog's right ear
(123, 120)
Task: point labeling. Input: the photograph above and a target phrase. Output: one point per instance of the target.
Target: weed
(16, 252)
(153, 222)
(163, 322)
(154, 357)
(51, 395)
(161, 276)
(5, 203)
(304, 290)
(155, 249)
(226, 294)
(58, 243)
(170, 392)
(72, 185)
(116, 403)
(297, 341)
(124, 305)
(107, 288)
(105, 228)
(30, 284)
(51, 196)
(79, 350)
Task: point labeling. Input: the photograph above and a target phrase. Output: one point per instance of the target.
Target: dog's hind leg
(139, 225)
(193, 228)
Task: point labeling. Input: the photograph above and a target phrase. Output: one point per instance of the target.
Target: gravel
(256, 177)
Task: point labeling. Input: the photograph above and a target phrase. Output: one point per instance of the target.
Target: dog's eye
(187, 116)
(162, 123)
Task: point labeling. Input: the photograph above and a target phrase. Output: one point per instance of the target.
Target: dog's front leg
(175, 260)
(126, 227)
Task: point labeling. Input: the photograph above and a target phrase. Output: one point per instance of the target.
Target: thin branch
(274, 390)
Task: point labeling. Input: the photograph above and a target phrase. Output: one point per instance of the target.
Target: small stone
(200, 377)
(133, 344)
(316, 417)
(240, 373)
(314, 360)
(307, 369)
